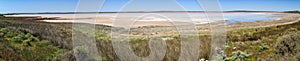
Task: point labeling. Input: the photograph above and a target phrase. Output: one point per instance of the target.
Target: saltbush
(238, 56)
(17, 39)
(101, 35)
(289, 44)
(263, 47)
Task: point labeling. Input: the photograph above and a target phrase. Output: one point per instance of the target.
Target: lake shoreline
(109, 21)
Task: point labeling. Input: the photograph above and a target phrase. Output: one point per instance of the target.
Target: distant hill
(247, 11)
(98, 12)
(130, 12)
(292, 12)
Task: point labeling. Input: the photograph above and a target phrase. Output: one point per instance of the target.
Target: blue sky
(33, 6)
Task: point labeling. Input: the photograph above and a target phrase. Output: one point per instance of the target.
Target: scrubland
(27, 41)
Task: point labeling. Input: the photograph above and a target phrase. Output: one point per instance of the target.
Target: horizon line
(69, 12)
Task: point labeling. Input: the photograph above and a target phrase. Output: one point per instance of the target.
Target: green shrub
(28, 35)
(15, 35)
(238, 56)
(138, 40)
(3, 30)
(17, 39)
(43, 43)
(10, 34)
(289, 44)
(31, 38)
(177, 37)
(291, 30)
(263, 47)
(2, 34)
(101, 35)
(27, 43)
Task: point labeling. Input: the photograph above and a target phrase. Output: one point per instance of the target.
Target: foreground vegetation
(250, 44)
(253, 44)
(270, 43)
(18, 45)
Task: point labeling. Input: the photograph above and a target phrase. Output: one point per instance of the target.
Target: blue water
(234, 18)
(249, 17)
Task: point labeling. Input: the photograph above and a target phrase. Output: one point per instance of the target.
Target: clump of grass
(291, 30)
(138, 40)
(99, 34)
(16, 36)
(263, 47)
(17, 39)
(175, 37)
(244, 34)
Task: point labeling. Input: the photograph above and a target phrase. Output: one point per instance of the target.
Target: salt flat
(162, 19)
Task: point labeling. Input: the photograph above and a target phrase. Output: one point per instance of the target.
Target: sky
(35, 6)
